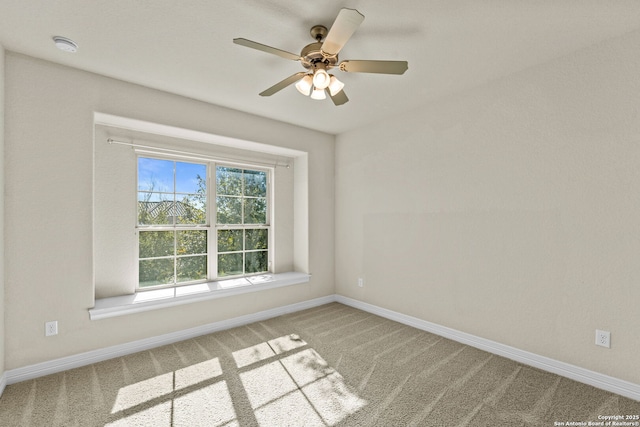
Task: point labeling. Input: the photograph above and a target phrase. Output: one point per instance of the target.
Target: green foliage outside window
(174, 255)
(241, 200)
(172, 203)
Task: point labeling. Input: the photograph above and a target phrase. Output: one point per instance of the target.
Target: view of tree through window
(174, 222)
(172, 204)
(241, 218)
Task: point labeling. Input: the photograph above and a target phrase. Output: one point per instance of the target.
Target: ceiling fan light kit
(322, 55)
(335, 85)
(321, 79)
(318, 94)
(305, 85)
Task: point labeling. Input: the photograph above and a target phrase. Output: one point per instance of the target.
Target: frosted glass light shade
(305, 85)
(321, 79)
(318, 94)
(335, 85)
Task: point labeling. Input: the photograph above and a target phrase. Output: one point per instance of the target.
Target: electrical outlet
(603, 338)
(51, 328)
(360, 282)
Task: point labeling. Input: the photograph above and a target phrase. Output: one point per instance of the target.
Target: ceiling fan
(322, 56)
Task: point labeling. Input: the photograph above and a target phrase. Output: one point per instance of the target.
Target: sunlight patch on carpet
(299, 389)
(196, 373)
(263, 351)
(143, 391)
(284, 382)
(162, 385)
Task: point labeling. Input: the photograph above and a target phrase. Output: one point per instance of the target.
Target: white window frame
(267, 225)
(210, 224)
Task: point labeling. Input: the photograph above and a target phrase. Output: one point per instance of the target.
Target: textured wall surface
(2, 182)
(49, 153)
(509, 211)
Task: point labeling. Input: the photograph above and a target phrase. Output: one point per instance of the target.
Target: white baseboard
(604, 382)
(3, 382)
(13, 376)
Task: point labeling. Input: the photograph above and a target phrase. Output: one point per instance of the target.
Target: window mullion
(174, 217)
(244, 230)
(175, 255)
(242, 204)
(212, 241)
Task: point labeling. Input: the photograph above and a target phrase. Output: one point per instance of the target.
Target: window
(176, 241)
(241, 221)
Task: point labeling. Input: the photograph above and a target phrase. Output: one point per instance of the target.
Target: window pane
(155, 272)
(255, 211)
(229, 240)
(155, 208)
(256, 239)
(192, 242)
(174, 193)
(229, 210)
(155, 175)
(228, 181)
(155, 244)
(229, 264)
(256, 262)
(191, 178)
(190, 209)
(255, 183)
(191, 268)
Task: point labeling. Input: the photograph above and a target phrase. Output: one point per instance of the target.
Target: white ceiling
(186, 47)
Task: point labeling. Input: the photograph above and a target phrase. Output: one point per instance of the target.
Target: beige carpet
(331, 365)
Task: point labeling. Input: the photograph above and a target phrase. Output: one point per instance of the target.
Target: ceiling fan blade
(339, 98)
(263, 47)
(284, 83)
(346, 23)
(381, 67)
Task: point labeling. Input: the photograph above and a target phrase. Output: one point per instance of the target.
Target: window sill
(169, 297)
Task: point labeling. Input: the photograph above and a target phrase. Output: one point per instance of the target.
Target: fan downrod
(318, 32)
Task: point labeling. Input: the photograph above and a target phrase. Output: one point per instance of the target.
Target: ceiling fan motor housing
(312, 57)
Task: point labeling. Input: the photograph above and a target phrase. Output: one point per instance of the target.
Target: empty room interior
(344, 213)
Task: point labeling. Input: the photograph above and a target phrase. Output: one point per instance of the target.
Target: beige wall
(511, 212)
(2, 331)
(49, 154)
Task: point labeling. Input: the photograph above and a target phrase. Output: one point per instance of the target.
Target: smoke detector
(65, 44)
